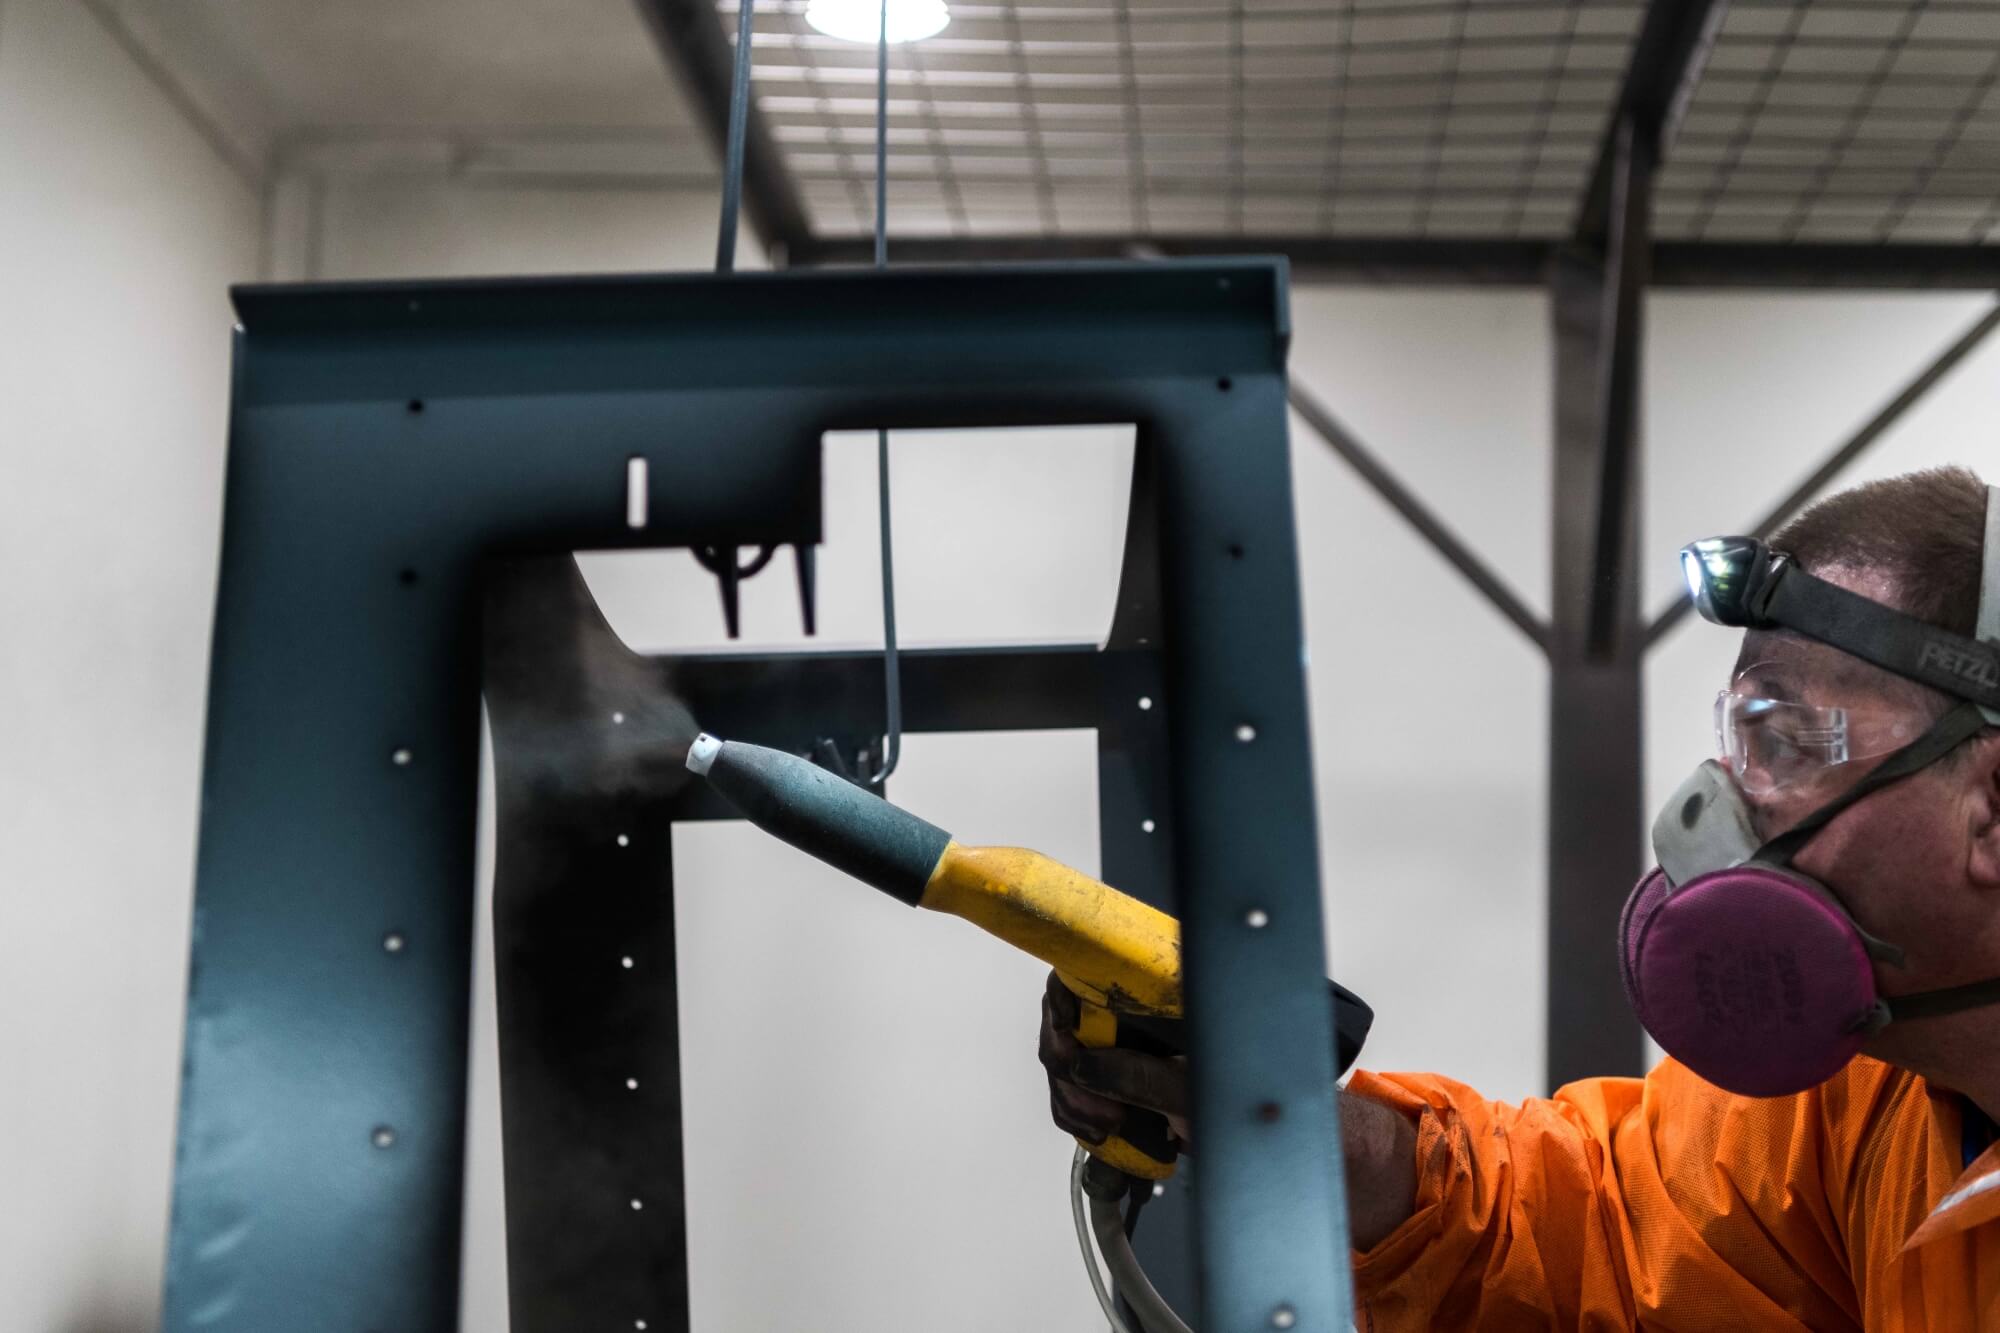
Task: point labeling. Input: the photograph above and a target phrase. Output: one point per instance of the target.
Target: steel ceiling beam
(1473, 262)
(1314, 259)
(1597, 638)
(1666, 62)
(696, 47)
(1966, 267)
(1596, 812)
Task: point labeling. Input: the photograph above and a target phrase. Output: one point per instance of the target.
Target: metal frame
(1597, 278)
(398, 452)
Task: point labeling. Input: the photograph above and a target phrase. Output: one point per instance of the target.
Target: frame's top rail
(1233, 288)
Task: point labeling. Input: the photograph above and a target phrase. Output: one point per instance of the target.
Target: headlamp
(1744, 584)
(1725, 575)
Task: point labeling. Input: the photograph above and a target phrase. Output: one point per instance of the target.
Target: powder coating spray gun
(1120, 956)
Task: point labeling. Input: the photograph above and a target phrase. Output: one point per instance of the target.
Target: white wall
(426, 226)
(1429, 710)
(119, 229)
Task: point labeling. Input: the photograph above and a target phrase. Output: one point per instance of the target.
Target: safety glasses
(1769, 745)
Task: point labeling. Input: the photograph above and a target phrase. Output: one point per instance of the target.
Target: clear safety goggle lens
(1771, 744)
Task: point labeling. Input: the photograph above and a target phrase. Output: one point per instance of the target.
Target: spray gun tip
(701, 755)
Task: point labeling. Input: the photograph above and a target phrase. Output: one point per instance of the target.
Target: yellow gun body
(1119, 955)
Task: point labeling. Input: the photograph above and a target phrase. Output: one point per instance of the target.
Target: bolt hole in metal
(624, 840)
(631, 1085)
(401, 757)
(617, 719)
(626, 962)
(383, 1137)
(393, 942)
(1284, 1317)
(1147, 826)
(1256, 918)
(1145, 703)
(1245, 733)
(638, 1204)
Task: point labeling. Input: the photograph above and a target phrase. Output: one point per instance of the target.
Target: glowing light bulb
(861, 20)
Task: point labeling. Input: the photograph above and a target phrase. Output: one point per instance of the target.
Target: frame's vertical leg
(1596, 799)
(1270, 1212)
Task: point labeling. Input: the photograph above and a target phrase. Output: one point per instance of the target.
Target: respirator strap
(1964, 721)
(1933, 1003)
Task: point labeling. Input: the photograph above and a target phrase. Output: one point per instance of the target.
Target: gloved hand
(1090, 1091)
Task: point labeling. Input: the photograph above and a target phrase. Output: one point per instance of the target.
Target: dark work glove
(1091, 1090)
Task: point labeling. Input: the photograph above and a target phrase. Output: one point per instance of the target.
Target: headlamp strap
(1988, 628)
(1961, 667)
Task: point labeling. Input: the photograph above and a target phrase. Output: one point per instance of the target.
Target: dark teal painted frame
(388, 439)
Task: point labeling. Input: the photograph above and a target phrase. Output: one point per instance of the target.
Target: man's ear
(1982, 778)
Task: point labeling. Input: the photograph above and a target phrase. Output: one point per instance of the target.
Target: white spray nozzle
(701, 755)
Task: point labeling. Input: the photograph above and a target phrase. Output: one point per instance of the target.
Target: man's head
(1918, 862)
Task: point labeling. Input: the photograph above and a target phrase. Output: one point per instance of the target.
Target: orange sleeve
(1619, 1203)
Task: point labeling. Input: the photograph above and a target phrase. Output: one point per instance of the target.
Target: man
(1869, 1200)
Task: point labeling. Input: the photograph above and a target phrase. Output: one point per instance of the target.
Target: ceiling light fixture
(861, 20)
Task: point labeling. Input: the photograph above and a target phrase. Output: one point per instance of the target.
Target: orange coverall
(1665, 1203)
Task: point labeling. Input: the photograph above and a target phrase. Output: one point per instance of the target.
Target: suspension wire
(892, 673)
(882, 141)
(732, 166)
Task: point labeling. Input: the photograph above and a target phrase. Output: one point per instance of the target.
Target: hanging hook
(892, 674)
(721, 562)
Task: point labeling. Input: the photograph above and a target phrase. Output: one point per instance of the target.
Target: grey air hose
(1107, 1225)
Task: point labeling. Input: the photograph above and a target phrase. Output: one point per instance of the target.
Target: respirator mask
(1750, 973)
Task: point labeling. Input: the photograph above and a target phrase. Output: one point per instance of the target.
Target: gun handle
(1097, 1026)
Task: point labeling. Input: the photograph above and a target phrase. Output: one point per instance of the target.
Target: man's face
(1901, 859)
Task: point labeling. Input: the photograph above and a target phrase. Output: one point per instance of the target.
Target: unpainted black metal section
(392, 446)
(586, 736)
